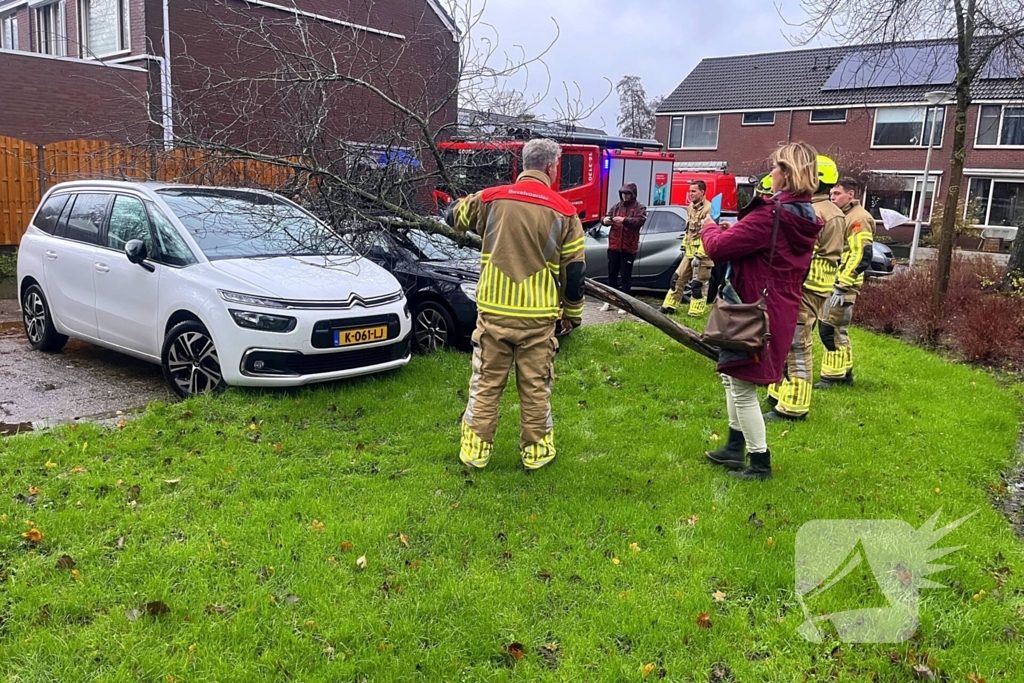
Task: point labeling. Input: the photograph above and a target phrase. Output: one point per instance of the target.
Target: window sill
(693, 149)
(99, 58)
(923, 148)
(997, 147)
(824, 123)
(757, 124)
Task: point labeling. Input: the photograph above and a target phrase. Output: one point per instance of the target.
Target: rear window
(86, 219)
(49, 213)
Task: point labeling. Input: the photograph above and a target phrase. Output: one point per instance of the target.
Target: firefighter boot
(828, 382)
(668, 306)
(760, 468)
(698, 302)
(732, 454)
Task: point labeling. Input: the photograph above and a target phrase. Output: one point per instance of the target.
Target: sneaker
(607, 307)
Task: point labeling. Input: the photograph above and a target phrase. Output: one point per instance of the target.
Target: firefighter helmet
(828, 172)
(765, 186)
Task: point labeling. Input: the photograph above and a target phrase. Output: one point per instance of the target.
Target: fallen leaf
(216, 609)
(545, 577)
(719, 596)
(646, 669)
(291, 599)
(549, 653)
(404, 540)
(33, 535)
(514, 650)
(264, 574)
(157, 608)
(78, 469)
(692, 520)
(361, 562)
(937, 490)
(770, 542)
(121, 424)
(704, 620)
(979, 595)
(278, 446)
(923, 673)
(616, 561)
(134, 491)
(65, 562)
(316, 525)
(50, 465)
(345, 547)
(75, 574)
(33, 491)
(754, 521)
(192, 648)
(975, 678)
(713, 437)
(172, 481)
(133, 614)
(635, 547)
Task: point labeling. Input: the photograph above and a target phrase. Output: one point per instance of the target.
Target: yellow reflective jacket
(829, 248)
(532, 253)
(860, 233)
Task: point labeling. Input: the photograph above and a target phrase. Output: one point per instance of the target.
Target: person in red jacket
(746, 246)
(625, 218)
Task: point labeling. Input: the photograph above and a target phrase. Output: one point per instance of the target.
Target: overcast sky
(658, 40)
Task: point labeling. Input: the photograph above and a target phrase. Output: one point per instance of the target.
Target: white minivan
(221, 286)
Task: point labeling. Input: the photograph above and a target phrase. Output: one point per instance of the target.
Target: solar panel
(1003, 65)
(895, 67)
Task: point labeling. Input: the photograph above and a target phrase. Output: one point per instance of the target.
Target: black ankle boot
(732, 454)
(760, 467)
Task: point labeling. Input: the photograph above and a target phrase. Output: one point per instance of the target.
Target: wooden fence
(27, 171)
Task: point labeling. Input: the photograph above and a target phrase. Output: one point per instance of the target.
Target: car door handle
(102, 268)
(52, 255)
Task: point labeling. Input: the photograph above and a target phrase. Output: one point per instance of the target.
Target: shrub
(977, 322)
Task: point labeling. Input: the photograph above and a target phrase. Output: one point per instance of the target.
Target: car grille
(323, 331)
(281, 363)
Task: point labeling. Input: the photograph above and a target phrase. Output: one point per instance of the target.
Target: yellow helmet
(828, 172)
(765, 186)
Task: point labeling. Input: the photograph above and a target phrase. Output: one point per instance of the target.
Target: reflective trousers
(837, 362)
(499, 344)
(684, 273)
(793, 393)
(699, 288)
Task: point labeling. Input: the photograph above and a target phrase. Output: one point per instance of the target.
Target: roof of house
(835, 76)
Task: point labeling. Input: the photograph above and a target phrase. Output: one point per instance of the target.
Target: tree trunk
(683, 335)
(952, 203)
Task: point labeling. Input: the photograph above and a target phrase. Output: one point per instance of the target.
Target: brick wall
(209, 46)
(47, 100)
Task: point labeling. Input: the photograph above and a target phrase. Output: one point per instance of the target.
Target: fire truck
(592, 170)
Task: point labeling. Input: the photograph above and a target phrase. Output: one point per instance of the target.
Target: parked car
(219, 286)
(659, 254)
(439, 279)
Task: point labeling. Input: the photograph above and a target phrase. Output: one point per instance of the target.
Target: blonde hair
(799, 164)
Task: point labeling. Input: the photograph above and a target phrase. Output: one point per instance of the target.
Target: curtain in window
(1013, 126)
(104, 32)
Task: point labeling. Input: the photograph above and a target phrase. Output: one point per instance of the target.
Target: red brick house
(865, 106)
(112, 69)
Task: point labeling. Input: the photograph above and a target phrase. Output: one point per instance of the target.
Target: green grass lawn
(239, 520)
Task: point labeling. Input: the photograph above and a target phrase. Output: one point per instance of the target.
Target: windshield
(435, 247)
(238, 224)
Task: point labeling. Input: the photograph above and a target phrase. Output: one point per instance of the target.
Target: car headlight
(469, 289)
(250, 300)
(263, 321)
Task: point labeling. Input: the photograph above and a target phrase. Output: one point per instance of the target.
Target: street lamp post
(935, 99)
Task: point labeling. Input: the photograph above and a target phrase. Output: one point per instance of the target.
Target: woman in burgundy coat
(747, 246)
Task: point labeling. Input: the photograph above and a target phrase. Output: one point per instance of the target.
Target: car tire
(432, 328)
(39, 329)
(189, 360)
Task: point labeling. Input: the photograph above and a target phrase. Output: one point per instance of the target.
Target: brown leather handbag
(739, 326)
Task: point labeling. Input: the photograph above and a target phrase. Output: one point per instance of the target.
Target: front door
(126, 293)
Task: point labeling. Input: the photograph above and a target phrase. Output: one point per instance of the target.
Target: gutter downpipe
(165, 80)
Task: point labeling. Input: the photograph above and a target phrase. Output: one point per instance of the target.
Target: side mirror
(136, 252)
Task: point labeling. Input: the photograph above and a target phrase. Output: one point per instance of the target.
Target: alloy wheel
(193, 363)
(431, 330)
(35, 317)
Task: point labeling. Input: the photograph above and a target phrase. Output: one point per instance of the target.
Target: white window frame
(682, 138)
(743, 119)
(924, 122)
(124, 27)
(999, 126)
(11, 17)
(57, 42)
(920, 187)
(992, 180)
(845, 110)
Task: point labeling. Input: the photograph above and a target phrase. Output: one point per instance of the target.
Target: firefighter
(791, 397)
(696, 213)
(837, 364)
(531, 264)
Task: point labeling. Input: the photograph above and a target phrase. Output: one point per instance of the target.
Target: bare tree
(986, 33)
(636, 115)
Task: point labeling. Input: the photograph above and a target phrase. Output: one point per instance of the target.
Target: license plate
(363, 335)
